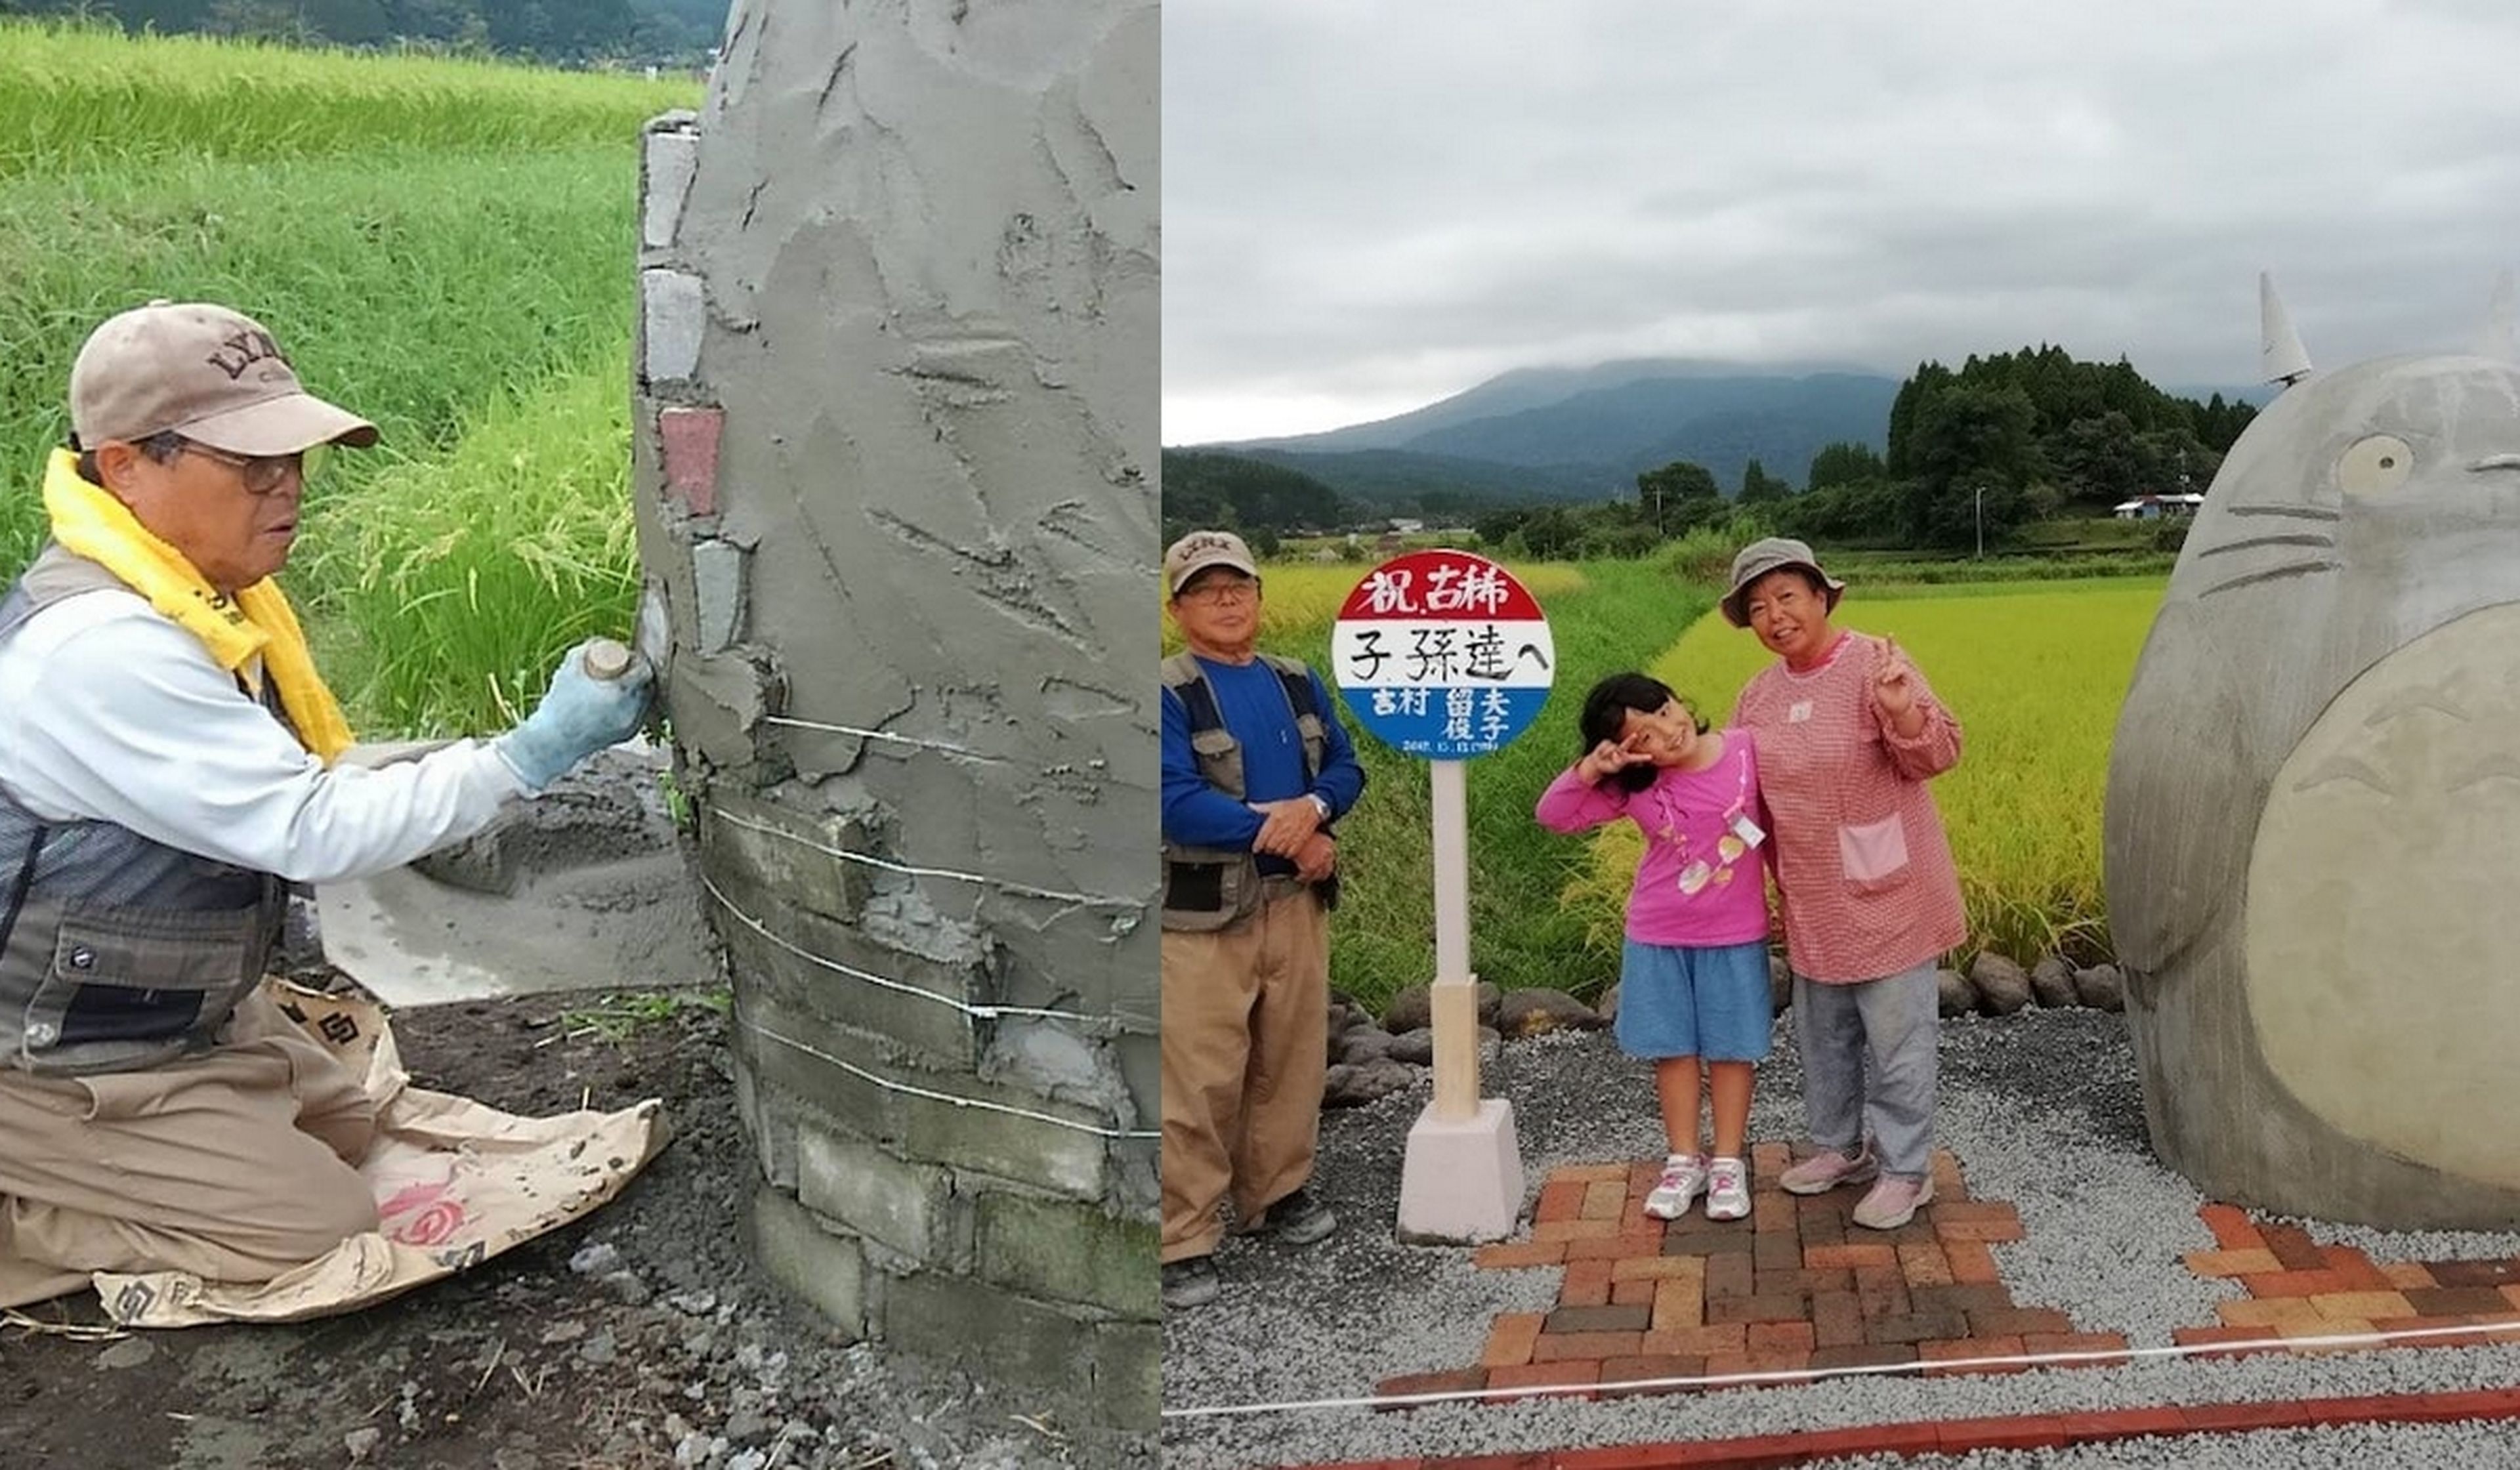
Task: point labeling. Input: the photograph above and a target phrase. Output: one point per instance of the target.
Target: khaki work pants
(232, 1164)
(1246, 1043)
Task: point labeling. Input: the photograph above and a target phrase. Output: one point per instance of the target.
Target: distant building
(2155, 506)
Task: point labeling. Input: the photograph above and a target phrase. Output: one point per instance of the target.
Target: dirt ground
(641, 1336)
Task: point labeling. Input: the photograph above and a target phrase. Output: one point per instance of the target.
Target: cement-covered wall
(896, 439)
(2313, 809)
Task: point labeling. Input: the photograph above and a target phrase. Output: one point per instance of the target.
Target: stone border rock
(1373, 1057)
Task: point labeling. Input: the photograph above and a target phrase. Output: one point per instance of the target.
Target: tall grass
(85, 97)
(444, 246)
(455, 581)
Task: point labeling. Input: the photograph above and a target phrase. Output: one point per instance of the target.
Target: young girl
(1693, 982)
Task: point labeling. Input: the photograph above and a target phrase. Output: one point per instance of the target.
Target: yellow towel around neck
(88, 521)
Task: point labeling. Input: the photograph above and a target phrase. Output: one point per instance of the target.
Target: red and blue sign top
(1443, 654)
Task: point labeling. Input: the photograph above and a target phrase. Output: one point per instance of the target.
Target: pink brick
(689, 439)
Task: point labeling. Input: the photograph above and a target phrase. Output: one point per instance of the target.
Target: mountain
(1584, 433)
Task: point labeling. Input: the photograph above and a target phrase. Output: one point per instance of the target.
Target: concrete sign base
(1462, 1179)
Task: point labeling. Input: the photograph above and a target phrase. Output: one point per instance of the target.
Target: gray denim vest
(1207, 888)
(117, 953)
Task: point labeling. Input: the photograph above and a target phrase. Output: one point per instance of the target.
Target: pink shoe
(1893, 1202)
(1682, 1175)
(1827, 1170)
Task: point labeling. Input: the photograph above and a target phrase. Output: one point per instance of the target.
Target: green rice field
(444, 246)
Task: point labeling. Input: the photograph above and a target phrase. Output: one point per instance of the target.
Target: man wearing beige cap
(1256, 769)
(167, 770)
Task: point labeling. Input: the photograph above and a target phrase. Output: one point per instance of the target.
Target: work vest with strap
(116, 952)
(1212, 887)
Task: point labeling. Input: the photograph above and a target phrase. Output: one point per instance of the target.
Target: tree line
(1977, 451)
(670, 33)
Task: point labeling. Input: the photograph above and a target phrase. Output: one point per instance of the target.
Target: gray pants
(1888, 1028)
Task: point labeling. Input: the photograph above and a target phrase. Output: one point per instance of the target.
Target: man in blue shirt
(1256, 770)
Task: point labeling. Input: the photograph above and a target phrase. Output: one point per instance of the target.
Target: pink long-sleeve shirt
(1863, 871)
(1698, 883)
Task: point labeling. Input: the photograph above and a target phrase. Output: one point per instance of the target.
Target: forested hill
(668, 33)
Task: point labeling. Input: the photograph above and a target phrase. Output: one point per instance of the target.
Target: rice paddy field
(445, 247)
(2035, 671)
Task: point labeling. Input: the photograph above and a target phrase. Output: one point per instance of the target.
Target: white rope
(984, 1012)
(1009, 884)
(964, 751)
(1814, 1375)
(957, 1100)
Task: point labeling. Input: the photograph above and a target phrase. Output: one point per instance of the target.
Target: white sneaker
(1728, 1191)
(1682, 1175)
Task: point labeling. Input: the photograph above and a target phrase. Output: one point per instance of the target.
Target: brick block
(828, 1271)
(1975, 1211)
(1587, 1283)
(1679, 1302)
(673, 316)
(1972, 1263)
(1518, 1255)
(1509, 1339)
(962, 1320)
(1658, 1267)
(1755, 1308)
(2269, 1313)
(1614, 1248)
(1945, 1357)
(2365, 1306)
(1767, 1160)
(1559, 1232)
(1589, 1347)
(1544, 1376)
(2458, 1301)
(1068, 1250)
(2492, 1274)
(1777, 1250)
(2020, 1321)
(1915, 1326)
(2021, 1432)
(1588, 1174)
(890, 1200)
(1866, 1356)
(1698, 1342)
(2355, 1270)
(1607, 1199)
(2208, 1337)
(1636, 1293)
(687, 440)
(2402, 1275)
(2236, 1419)
(2293, 1247)
(2122, 1424)
(1878, 1257)
(1026, 1149)
(1772, 1282)
(1925, 1265)
(1779, 1337)
(2256, 1263)
(1990, 1231)
(1559, 1199)
(2291, 1283)
(1728, 1276)
(1125, 1361)
(1837, 1320)
(1774, 1367)
(1597, 1319)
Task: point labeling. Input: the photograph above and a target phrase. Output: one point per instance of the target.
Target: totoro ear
(2497, 339)
(2280, 355)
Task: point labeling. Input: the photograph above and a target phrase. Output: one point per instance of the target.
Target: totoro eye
(2374, 462)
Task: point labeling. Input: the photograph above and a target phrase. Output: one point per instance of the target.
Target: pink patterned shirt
(1863, 871)
(1700, 883)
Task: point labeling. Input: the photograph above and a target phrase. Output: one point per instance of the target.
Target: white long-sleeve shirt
(109, 711)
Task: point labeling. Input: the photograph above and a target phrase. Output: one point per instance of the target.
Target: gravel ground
(2043, 1110)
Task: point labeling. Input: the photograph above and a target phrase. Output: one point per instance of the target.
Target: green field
(2035, 672)
(444, 246)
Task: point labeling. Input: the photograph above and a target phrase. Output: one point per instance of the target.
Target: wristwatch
(1321, 803)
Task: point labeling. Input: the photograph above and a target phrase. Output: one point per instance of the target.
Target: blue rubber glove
(579, 715)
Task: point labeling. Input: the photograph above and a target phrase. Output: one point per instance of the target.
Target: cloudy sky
(1372, 205)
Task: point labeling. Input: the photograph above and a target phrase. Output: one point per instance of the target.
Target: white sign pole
(1461, 1177)
(1455, 994)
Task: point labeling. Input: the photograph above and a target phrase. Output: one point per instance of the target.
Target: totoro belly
(2384, 905)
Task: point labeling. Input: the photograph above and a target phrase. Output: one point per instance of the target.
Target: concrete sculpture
(2313, 802)
(895, 427)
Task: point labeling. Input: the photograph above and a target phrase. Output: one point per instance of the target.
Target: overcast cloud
(1371, 204)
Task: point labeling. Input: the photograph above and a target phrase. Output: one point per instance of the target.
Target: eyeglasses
(263, 475)
(1223, 592)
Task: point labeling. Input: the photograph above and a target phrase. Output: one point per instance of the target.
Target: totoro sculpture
(2312, 842)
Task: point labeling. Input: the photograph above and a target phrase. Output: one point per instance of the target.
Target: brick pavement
(1797, 1289)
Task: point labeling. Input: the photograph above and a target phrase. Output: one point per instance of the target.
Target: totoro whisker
(2273, 573)
(2299, 513)
(2297, 538)
(2496, 462)
(2499, 766)
(2434, 701)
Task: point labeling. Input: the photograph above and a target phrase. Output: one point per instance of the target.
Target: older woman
(1847, 735)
